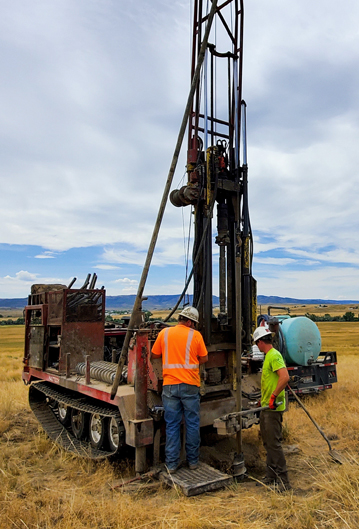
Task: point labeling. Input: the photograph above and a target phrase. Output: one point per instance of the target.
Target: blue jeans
(179, 400)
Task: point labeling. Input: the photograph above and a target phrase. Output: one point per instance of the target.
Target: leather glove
(272, 403)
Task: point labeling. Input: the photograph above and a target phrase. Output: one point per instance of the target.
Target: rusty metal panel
(141, 375)
(139, 433)
(131, 365)
(41, 288)
(40, 293)
(212, 409)
(55, 308)
(127, 406)
(217, 359)
(36, 346)
(80, 339)
(155, 376)
(154, 366)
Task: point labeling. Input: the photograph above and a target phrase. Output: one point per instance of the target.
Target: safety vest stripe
(180, 366)
(186, 365)
(166, 346)
(188, 346)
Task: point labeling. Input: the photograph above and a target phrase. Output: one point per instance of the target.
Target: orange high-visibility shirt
(180, 347)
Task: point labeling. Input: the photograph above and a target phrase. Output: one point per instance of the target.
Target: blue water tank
(302, 341)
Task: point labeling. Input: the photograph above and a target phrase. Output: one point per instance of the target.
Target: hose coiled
(102, 371)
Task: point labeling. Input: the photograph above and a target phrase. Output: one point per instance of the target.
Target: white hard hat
(260, 332)
(190, 313)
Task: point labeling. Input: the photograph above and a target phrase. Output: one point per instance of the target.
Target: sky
(91, 101)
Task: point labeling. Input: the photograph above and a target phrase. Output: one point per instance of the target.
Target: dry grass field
(11, 314)
(43, 487)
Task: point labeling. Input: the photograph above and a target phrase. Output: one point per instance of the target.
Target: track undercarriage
(76, 423)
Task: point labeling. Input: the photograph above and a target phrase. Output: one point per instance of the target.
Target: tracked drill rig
(96, 405)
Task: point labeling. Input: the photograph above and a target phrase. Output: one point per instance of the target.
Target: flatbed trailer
(316, 377)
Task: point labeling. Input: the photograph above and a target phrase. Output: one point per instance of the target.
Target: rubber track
(58, 433)
(75, 402)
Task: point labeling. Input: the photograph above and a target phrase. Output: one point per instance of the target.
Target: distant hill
(168, 302)
(152, 303)
(15, 303)
(275, 300)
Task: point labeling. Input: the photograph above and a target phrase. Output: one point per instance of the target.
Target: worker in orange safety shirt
(182, 350)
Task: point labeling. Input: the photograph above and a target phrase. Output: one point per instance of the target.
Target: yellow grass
(43, 487)
(11, 314)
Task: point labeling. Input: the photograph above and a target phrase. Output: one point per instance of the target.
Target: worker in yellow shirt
(182, 350)
(274, 379)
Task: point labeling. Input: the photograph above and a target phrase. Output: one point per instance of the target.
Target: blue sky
(91, 101)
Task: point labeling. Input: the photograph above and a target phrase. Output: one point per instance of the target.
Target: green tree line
(9, 321)
(348, 316)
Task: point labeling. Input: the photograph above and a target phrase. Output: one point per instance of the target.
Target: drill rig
(96, 407)
(217, 189)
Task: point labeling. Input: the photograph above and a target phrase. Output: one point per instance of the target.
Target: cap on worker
(190, 313)
(260, 332)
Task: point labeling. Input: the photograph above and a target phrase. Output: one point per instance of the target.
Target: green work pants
(271, 431)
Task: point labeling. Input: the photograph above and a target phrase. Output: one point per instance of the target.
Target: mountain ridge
(167, 302)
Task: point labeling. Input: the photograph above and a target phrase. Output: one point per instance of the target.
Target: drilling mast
(218, 185)
(218, 182)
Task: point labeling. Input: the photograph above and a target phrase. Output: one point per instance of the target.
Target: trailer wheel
(79, 421)
(116, 434)
(64, 413)
(97, 430)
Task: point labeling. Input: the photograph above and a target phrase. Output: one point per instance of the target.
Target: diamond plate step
(194, 482)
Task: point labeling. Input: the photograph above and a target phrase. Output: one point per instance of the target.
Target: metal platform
(194, 482)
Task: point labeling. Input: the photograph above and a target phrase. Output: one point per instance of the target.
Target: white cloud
(23, 275)
(172, 253)
(338, 255)
(86, 148)
(45, 255)
(323, 283)
(275, 261)
(106, 267)
(127, 280)
(128, 290)
(19, 285)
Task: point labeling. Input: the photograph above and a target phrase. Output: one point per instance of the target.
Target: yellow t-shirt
(272, 362)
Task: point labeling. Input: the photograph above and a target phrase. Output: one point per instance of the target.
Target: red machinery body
(66, 344)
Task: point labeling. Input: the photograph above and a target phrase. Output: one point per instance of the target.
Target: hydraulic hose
(197, 254)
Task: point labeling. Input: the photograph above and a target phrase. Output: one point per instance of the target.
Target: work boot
(172, 470)
(269, 482)
(193, 466)
(283, 486)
